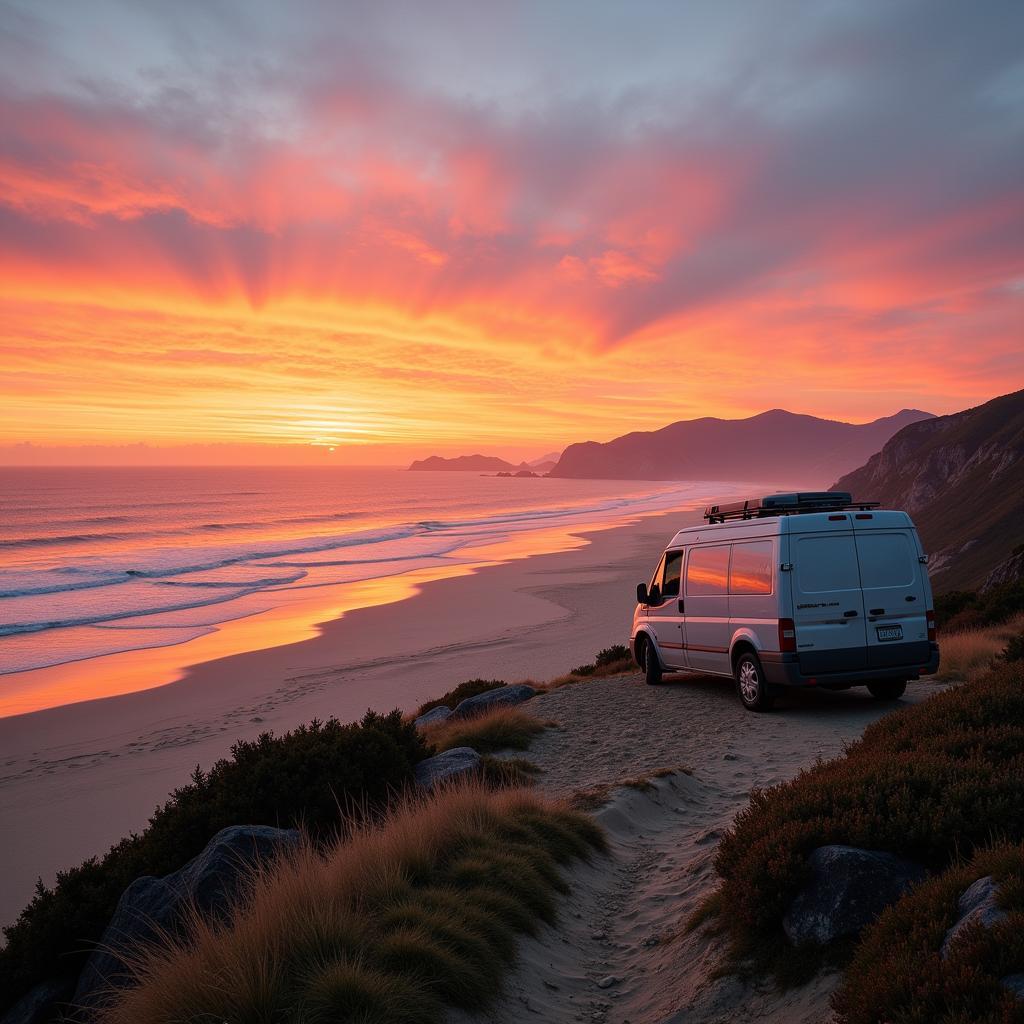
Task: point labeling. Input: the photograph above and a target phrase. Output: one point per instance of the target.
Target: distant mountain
(545, 460)
(468, 463)
(962, 479)
(775, 445)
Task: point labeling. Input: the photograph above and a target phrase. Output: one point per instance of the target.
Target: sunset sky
(400, 228)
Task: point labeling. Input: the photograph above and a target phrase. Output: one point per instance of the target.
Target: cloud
(623, 189)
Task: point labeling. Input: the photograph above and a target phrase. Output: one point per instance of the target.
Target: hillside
(774, 445)
(962, 479)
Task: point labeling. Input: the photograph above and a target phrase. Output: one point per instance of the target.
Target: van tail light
(787, 636)
(930, 619)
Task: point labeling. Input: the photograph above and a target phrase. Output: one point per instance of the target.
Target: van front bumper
(784, 670)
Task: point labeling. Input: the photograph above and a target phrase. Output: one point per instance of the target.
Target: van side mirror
(641, 593)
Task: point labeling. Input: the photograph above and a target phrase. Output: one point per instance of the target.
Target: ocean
(95, 561)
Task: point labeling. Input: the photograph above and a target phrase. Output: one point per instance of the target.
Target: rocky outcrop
(447, 767)
(1009, 571)
(977, 906)
(151, 907)
(439, 714)
(960, 477)
(499, 697)
(847, 889)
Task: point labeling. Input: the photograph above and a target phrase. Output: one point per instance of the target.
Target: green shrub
(970, 609)
(470, 688)
(1014, 650)
(610, 655)
(306, 777)
(583, 670)
(898, 973)
(929, 782)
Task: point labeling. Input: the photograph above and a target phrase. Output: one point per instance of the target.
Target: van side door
(894, 597)
(665, 618)
(828, 605)
(706, 626)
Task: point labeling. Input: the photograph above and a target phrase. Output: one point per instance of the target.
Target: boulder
(1014, 983)
(150, 907)
(434, 715)
(40, 1004)
(499, 697)
(446, 767)
(848, 888)
(977, 905)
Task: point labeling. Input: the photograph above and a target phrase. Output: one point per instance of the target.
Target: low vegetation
(932, 783)
(305, 777)
(959, 610)
(392, 925)
(899, 974)
(968, 653)
(454, 697)
(500, 728)
(611, 661)
(596, 796)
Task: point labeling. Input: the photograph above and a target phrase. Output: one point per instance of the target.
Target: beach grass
(967, 653)
(500, 728)
(402, 919)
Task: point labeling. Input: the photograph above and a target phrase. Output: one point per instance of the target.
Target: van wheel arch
(740, 648)
(647, 657)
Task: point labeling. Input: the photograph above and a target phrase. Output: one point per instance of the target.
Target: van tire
(887, 689)
(650, 664)
(751, 685)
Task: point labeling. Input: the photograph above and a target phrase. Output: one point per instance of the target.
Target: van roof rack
(792, 503)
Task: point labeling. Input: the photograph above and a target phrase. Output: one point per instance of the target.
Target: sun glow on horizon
(298, 236)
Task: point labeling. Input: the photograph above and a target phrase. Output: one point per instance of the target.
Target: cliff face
(775, 445)
(962, 479)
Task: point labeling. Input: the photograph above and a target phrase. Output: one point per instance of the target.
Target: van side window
(656, 578)
(673, 570)
(707, 571)
(750, 571)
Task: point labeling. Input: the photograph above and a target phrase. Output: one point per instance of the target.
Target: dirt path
(619, 954)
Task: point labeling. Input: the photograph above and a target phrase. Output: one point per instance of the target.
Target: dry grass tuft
(393, 925)
(615, 668)
(501, 728)
(969, 653)
(597, 796)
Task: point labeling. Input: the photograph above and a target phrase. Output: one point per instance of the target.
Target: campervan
(791, 590)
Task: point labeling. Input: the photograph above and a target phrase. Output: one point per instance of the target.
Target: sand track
(623, 919)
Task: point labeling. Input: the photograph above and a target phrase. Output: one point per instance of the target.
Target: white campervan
(809, 589)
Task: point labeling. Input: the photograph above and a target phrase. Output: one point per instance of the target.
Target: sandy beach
(74, 779)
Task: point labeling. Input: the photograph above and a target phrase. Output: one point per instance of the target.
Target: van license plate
(889, 632)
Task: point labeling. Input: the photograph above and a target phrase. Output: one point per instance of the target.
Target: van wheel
(649, 662)
(887, 689)
(750, 683)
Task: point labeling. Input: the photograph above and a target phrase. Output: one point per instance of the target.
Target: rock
(39, 1004)
(499, 697)
(608, 982)
(977, 906)
(848, 889)
(1014, 983)
(438, 714)
(151, 906)
(446, 767)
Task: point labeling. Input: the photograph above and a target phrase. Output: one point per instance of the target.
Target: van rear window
(751, 569)
(886, 559)
(827, 564)
(707, 571)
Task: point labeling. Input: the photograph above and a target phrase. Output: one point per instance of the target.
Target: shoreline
(75, 778)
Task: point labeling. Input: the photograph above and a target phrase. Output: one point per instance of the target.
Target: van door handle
(877, 611)
(849, 615)
(682, 607)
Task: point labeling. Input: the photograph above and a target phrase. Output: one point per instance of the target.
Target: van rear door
(895, 598)
(828, 606)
